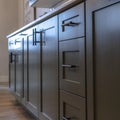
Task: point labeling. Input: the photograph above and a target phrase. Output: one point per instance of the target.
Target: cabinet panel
(72, 107)
(49, 103)
(33, 73)
(12, 65)
(103, 56)
(25, 66)
(72, 66)
(71, 23)
(107, 63)
(19, 67)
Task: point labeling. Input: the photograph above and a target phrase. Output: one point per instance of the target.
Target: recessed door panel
(33, 78)
(107, 62)
(19, 67)
(72, 107)
(72, 66)
(49, 95)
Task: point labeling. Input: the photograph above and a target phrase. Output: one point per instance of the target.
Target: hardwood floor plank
(10, 109)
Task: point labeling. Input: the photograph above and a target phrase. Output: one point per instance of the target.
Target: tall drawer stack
(72, 63)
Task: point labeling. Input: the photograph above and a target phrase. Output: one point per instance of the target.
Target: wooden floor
(10, 109)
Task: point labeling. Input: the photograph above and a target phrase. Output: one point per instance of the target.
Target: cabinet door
(33, 73)
(12, 64)
(49, 98)
(71, 23)
(25, 61)
(103, 59)
(72, 66)
(72, 107)
(19, 67)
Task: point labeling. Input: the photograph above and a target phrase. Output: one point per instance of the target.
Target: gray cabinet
(25, 64)
(67, 67)
(33, 71)
(12, 65)
(19, 66)
(71, 23)
(72, 107)
(103, 59)
(49, 76)
(72, 66)
(58, 42)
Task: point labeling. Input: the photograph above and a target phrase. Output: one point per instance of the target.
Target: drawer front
(71, 23)
(72, 107)
(72, 66)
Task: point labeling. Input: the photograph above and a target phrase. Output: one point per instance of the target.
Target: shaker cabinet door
(103, 56)
(49, 82)
(19, 67)
(33, 78)
(107, 63)
(72, 107)
(12, 66)
(25, 61)
(72, 66)
(71, 23)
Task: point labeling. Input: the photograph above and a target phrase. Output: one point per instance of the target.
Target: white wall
(20, 13)
(8, 24)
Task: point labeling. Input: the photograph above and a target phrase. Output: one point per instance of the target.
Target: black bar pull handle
(33, 35)
(11, 57)
(69, 66)
(38, 32)
(11, 54)
(23, 34)
(11, 43)
(69, 24)
(17, 41)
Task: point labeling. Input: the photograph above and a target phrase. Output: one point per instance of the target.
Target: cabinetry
(37, 54)
(72, 63)
(19, 66)
(12, 70)
(34, 68)
(49, 66)
(33, 71)
(103, 59)
(88, 70)
(16, 65)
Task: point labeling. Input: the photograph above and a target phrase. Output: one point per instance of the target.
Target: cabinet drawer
(72, 66)
(72, 107)
(71, 23)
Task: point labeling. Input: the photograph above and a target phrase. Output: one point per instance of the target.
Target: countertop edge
(58, 10)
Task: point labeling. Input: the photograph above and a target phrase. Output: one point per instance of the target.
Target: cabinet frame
(91, 7)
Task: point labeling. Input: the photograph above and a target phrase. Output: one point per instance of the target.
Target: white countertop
(56, 11)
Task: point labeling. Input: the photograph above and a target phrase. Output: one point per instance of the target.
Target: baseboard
(4, 79)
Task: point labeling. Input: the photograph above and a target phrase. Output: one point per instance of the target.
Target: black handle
(11, 57)
(64, 118)
(33, 35)
(38, 32)
(69, 24)
(69, 66)
(23, 34)
(17, 41)
(11, 43)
